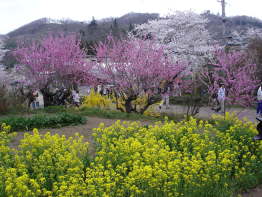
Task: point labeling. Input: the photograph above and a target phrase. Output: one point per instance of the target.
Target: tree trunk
(117, 104)
(48, 97)
(128, 104)
(150, 101)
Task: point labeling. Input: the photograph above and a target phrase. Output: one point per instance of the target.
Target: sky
(15, 13)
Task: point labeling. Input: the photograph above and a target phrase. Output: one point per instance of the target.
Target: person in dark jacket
(259, 129)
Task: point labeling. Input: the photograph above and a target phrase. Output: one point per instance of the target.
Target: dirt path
(84, 130)
(256, 192)
(206, 112)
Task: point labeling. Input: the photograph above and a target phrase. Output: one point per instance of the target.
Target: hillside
(96, 30)
(45, 25)
(91, 31)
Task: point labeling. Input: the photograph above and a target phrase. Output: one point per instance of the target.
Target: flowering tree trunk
(135, 67)
(53, 62)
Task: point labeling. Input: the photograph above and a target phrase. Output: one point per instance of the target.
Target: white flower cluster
(184, 33)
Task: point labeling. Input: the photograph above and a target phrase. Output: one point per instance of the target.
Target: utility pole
(223, 5)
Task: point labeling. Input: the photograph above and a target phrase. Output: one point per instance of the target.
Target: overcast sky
(15, 13)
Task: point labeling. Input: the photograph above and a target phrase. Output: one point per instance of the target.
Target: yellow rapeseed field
(190, 158)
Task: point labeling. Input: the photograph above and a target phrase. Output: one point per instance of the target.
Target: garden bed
(190, 158)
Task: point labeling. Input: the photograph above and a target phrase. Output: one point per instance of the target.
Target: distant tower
(223, 6)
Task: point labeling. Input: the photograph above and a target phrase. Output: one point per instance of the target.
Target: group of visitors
(217, 98)
(166, 90)
(61, 97)
(105, 90)
(218, 102)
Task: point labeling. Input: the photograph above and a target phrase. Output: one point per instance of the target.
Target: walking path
(206, 112)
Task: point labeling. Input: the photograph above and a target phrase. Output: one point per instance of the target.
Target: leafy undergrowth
(43, 121)
(108, 113)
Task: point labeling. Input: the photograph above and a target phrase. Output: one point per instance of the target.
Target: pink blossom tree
(236, 72)
(133, 67)
(53, 62)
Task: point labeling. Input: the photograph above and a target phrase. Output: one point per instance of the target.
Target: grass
(57, 120)
(86, 111)
(113, 114)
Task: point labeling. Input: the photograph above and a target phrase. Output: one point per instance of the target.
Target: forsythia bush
(95, 99)
(151, 111)
(188, 158)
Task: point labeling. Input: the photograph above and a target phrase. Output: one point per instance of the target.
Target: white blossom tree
(184, 34)
(3, 76)
(246, 35)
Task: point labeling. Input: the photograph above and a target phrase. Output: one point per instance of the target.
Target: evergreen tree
(131, 27)
(93, 23)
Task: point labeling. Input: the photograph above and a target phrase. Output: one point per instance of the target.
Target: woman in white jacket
(259, 100)
(221, 96)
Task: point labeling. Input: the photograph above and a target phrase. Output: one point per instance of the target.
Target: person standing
(35, 102)
(76, 98)
(259, 129)
(214, 102)
(259, 102)
(166, 91)
(221, 95)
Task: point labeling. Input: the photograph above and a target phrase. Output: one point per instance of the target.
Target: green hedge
(43, 121)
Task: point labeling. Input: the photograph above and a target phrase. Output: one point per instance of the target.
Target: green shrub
(54, 109)
(43, 121)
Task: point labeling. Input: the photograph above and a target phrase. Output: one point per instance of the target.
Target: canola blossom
(189, 158)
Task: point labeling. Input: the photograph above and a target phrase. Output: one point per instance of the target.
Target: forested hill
(93, 30)
(96, 30)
